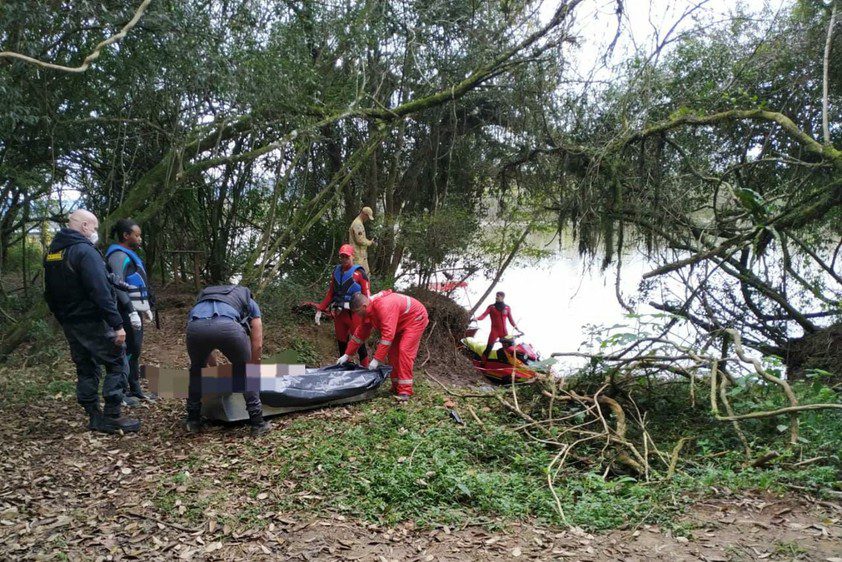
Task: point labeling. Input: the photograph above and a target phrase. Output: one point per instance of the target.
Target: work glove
(374, 364)
(134, 318)
(149, 316)
(342, 360)
(318, 318)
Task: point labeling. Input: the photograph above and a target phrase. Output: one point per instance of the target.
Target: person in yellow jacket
(357, 238)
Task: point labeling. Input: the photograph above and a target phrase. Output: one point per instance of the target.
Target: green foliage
(33, 373)
(15, 258)
(431, 239)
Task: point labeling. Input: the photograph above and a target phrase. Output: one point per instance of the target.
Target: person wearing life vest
(401, 321)
(357, 238)
(127, 266)
(81, 297)
(499, 313)
(346, 281)
(224, 318)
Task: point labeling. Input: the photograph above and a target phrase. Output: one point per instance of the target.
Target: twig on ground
(474, 415)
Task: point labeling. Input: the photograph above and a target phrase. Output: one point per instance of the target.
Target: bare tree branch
(830, 26)
(96, 52)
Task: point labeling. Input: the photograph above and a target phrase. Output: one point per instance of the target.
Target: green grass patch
(393, 464)
(388, 464)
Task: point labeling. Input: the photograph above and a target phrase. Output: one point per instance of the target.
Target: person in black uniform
(224, 318)
(127, 266)
(82, 298)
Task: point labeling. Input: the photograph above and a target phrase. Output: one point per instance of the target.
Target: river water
(554, 300)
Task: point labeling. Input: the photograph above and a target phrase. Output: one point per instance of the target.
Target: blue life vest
(344, 284)
(140, 296)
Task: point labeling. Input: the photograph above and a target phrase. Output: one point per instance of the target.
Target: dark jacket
(76, 282)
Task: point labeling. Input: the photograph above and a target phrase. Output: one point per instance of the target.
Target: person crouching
(224, 318)
(401, 321)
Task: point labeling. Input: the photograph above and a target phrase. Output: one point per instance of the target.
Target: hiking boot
(111, 424)
(401, 398)
(130, 401)
(193, 426)
(261, 428)
(143, 396)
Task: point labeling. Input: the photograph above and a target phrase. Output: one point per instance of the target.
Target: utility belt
(337, 307)
(244, 324)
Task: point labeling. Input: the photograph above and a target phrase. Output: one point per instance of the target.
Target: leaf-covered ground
(368, 482)
(69, 494)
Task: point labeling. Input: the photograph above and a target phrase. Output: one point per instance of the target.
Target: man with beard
(499, 313)
(127, 266)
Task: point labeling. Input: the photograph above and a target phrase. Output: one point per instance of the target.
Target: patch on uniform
(56, 256)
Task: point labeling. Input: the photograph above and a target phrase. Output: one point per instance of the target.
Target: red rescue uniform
(401, 321)
(498, 321)
(344, 323)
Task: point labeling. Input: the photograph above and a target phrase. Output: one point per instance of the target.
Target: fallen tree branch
(676, 451)
(764, 459)
(781, 412)
(738, 348)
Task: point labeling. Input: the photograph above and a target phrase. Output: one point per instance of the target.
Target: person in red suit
(346, 281)
(401, 321)
(499, 313)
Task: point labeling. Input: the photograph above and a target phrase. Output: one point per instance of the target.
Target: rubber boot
(259, 426)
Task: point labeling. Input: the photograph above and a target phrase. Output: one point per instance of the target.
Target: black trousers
(362, 351)
(91, 345)
(134, 343)
(230, 338)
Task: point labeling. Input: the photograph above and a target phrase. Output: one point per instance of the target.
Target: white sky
(644, 23)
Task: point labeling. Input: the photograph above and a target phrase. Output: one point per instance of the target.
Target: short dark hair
(121, 228)
(358, 301)
(501, 294)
